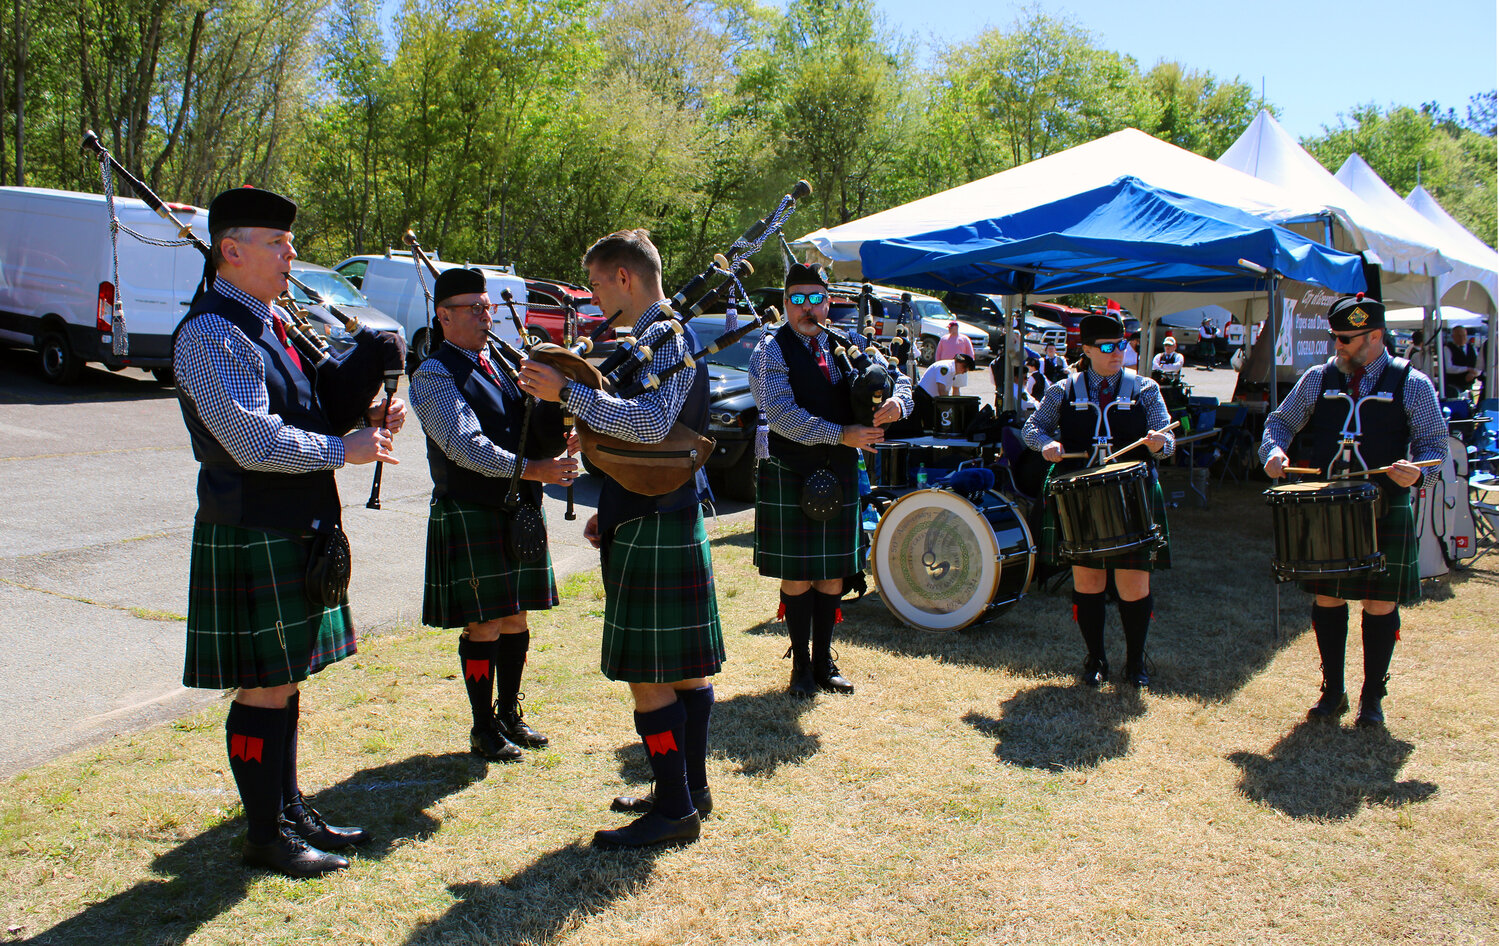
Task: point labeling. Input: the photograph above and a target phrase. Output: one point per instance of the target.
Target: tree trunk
(20, 98)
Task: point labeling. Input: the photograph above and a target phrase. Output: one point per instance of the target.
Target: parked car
(391, 284)
(57, 282)
(545, 311)
(884, 314)
(732, 413)
(986, 310)
(332, 287)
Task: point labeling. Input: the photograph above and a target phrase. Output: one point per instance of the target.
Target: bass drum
(942, 561)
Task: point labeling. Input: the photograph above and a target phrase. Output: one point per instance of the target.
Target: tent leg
(1277, 611)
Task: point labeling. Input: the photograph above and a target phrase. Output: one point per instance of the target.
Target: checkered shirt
(770, 383)
(649, 417)
(221, 370)
(449, 420)
(1041, 427)
(1428, 429)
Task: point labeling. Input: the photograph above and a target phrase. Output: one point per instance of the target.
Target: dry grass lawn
(968, 792)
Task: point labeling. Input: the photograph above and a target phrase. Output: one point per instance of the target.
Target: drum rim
(990, 578)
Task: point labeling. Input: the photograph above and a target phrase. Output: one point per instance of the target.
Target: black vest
(818, 396)
(1385, 430)
(617, 504)
(1120, 424)
(501, 411)
(228, 494)
(1465, 358)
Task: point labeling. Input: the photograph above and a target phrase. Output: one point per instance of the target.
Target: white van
(57, 283)
(390, 283)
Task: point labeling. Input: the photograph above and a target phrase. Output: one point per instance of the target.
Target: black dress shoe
(802, 683)
(1329, 707)
(702, 800)
(1135, 675)
(830, 679)
(1095, 672)
(490, 743)
(512, 724)
(310, 827)
(290, 855)
(1370, 713)
(651, 830)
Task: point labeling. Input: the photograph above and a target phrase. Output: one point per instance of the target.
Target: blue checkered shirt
(1422, 412)
(221, 370)
(649, 417)
(1041, 426)
(449, 420)
(770, 383)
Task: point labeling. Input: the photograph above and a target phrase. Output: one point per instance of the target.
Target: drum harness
(1129, 390)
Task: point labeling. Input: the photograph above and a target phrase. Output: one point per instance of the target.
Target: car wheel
(420, 349)
(739, 481)
(928, 350)
(535, 337)
(164, 377)
(59, 364)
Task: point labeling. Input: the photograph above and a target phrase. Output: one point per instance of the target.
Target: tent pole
(1014, 354)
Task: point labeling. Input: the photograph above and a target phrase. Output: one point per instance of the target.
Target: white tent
(1407, 262)
(1462, 245)
(1451, 316)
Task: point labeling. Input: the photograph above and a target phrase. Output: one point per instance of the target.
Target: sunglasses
(806, 298)
(1347, 339)
(1108, 348)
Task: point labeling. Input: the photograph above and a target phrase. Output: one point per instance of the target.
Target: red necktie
(1105, 396)
(280, 331)
(822, 362)
(488, 368)
(1353, 383)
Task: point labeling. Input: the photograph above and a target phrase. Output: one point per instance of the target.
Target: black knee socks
(1380, 633)
(290, 788)
(477, 658)
(664, 733)
(1088, 612)
(824, 616)
(256, 739)
(1135, 616)
(799, 618)
(510, 664)
(1331, 627)
(699, 706)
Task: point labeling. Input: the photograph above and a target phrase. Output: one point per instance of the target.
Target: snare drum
(894, 465)
(1324, 530)
(1104, 510)
(942, 561)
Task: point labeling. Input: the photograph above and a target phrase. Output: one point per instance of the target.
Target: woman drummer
(1103, 407)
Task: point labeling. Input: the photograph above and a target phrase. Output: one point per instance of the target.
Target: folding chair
(1234, 444)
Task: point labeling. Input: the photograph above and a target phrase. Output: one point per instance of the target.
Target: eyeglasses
(1347, 339)
(806, 298)
(1108, 348)
(478, 309)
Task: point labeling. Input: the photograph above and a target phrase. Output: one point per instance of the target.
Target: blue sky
(1386, 52)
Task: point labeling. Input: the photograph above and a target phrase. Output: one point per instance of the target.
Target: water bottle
(921, 477)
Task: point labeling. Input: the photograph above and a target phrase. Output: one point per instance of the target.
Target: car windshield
(736, 355)
(931, 309)
(331, 286)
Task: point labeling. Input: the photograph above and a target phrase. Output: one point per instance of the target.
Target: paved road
(97, 485)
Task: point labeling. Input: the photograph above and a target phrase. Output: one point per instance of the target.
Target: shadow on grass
(760, 731)
(1319, 770)
(203, 878)
(558, 890)
(1061, 727)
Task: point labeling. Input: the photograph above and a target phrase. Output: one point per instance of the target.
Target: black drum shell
(1103, 511)
(1325, 530)
(895, 465)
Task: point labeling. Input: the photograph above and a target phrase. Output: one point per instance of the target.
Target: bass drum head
(939, 564)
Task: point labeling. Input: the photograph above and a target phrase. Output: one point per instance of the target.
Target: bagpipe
(868, 374)
(655, 469)
(346, 384)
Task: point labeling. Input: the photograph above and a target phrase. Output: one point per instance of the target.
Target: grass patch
(968, 792)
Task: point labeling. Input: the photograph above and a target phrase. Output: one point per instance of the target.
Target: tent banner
(1301, 338)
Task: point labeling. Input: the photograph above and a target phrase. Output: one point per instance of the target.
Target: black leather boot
(802, 683)
(511, 721)
(1370, 712)
(491, 744)
(1095, 672)
(310, 826)
(1332, 704)
(702, 800)
(799, 627)
(824, 670)
(289, 854)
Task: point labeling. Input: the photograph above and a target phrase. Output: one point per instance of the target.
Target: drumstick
(1074, 456)
(1382, 469)
(1303, 470)
(1123, 450)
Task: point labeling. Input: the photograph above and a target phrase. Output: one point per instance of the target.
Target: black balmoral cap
(456, 282)
(1356, 313)
(1094, 327)
(250, 207)
(802, 274)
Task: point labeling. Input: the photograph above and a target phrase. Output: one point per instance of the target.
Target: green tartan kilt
(790, 545)
(1401, 579)
(249, 623)
(1147, 558)
(470, 578)
(660, 609)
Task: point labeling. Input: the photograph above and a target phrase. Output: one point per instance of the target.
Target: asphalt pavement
(97, 491)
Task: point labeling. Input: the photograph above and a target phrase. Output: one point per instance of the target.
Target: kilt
(249, 623)
(1401, 579)
(1146, 558)
(470, 578)
(660, 608)
(787, 543)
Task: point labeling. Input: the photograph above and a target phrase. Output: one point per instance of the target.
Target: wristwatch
(562, 393)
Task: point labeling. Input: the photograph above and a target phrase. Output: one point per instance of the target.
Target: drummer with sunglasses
(805, 399)
(1309, 427)
(1065, 423)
